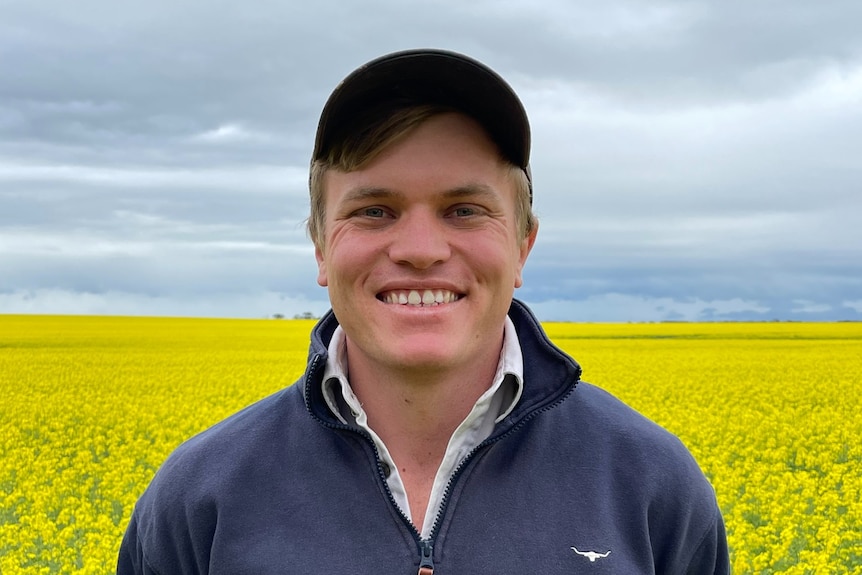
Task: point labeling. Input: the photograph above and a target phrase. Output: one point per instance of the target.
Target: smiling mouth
(419, 298)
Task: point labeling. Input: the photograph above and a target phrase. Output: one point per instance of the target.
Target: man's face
(422, 251)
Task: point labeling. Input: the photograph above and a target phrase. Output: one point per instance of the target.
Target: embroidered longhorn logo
(591, 555)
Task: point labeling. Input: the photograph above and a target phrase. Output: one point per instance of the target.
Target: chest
(493, 520)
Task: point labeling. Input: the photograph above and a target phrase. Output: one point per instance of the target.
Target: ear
(322, 279)
(524, 250)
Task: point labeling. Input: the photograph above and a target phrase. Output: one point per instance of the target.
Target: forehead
(446, 152)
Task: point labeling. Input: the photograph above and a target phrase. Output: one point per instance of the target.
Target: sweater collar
(549, 374)
(510, 367)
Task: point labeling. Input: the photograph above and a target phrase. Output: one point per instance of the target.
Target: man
(436, 429)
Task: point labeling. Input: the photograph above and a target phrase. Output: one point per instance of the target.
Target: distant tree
(278, 316)
(305, 315)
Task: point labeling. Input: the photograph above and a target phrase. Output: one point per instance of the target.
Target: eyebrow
(360, 194)
(472, 191)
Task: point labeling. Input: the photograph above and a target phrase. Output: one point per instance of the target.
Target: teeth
(420, 297)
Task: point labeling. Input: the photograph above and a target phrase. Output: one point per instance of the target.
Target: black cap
(430, 77)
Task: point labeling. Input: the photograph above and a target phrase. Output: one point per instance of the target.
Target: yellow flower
(770, 411)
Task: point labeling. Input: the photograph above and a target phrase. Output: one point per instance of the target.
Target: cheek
(345, 259)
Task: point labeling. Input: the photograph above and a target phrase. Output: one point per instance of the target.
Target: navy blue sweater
(572, 481)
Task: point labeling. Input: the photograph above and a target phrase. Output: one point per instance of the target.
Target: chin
(425, 356)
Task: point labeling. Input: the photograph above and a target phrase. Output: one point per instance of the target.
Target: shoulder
(650, 467)
(207, 466)
(210, 474)
(247, 434)
(625, 449)
(623, 430)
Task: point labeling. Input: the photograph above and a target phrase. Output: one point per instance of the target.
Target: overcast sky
(692, 160)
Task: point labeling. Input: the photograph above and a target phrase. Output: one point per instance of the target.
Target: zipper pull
(426, 560)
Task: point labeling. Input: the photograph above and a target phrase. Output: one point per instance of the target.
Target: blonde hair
(359, 147)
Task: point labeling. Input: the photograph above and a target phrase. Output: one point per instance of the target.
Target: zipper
(426, 546)
(426, 557)
(489, 441)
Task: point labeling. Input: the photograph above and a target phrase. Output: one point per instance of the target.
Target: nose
(420, 239)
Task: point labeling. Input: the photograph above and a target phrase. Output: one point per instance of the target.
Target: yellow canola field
(92, 405)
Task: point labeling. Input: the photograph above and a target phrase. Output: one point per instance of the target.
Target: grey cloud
(614, 307)
(696, 159)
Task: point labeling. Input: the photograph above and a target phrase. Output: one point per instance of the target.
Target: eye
(373, 212)
(464, 211)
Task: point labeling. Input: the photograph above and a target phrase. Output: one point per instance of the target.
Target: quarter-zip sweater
(571, 481)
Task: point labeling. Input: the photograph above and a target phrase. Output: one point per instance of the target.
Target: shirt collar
(510, 370)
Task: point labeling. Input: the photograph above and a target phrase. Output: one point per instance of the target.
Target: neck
(415, 412)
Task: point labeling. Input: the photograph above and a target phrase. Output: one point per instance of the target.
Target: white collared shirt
(491, 407)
